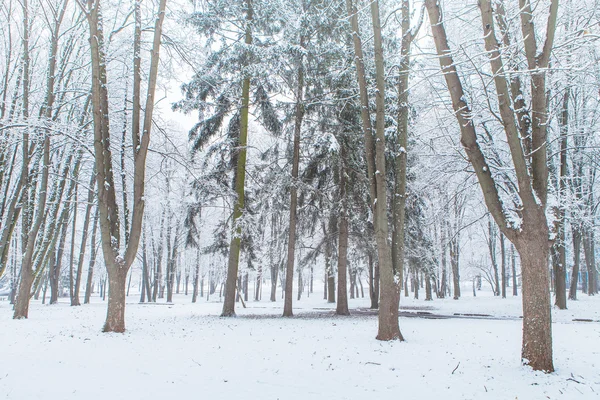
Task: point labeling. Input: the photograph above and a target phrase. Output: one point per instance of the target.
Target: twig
(374, 363)
(454, 370)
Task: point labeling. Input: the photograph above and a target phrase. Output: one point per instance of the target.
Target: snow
(185, 350)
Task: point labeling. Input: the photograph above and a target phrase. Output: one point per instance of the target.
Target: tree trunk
(342, 291)
(576, 263)
(373, 294)
(513, 260)
(428, 293)
(559, 265)
(115, 317)
(196, 277)
(537, 348)
(299, 116)
(590, 260)
(454, 257)
(90, 276)
(329, 270)
(240, 178)
(388, 328)
(503, 264)
(86, 224)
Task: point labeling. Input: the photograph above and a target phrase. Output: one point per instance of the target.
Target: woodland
(319, 160)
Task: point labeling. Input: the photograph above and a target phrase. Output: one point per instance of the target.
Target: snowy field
(185, 351)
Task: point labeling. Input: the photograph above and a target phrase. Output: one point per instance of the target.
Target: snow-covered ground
(185, 350)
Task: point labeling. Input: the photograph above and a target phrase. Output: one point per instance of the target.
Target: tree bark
(559, 265)
(90, 276)
(342, 290)
(299, 116)
(240, 178)
(503, 264)
(86, 223)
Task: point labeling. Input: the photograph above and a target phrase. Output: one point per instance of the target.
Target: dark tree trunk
(240, 178)
(454, 257)
(299, 116)
(576, 263)
(115, 316)
(274, 277)
(342, 267)
(590, 260)
(196, 278)
(329, 270)
(534, 252)
(428, 292)
(55, 273)
(374, 296)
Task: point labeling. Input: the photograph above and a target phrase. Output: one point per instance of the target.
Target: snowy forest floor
(185, 350)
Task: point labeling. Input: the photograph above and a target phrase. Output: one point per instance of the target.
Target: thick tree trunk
(537, 348)
(117, 281)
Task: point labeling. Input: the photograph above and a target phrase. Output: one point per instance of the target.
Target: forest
(390, 178)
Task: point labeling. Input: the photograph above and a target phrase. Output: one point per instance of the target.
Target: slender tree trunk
(329, 270)
(289, 275)
(503, 264)
(342, 266)
(576, 263)
(90, 276)
(513, 260)
(86, 224)
(590, 260)
(196, 277)
(400, 172)
(454, 257)
(428, 291)
(559, 265)
(390, 292)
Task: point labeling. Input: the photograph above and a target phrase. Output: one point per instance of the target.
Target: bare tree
(118, 263)
(531, 236)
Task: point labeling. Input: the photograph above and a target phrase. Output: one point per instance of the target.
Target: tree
(530, 233)
(117, 262)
